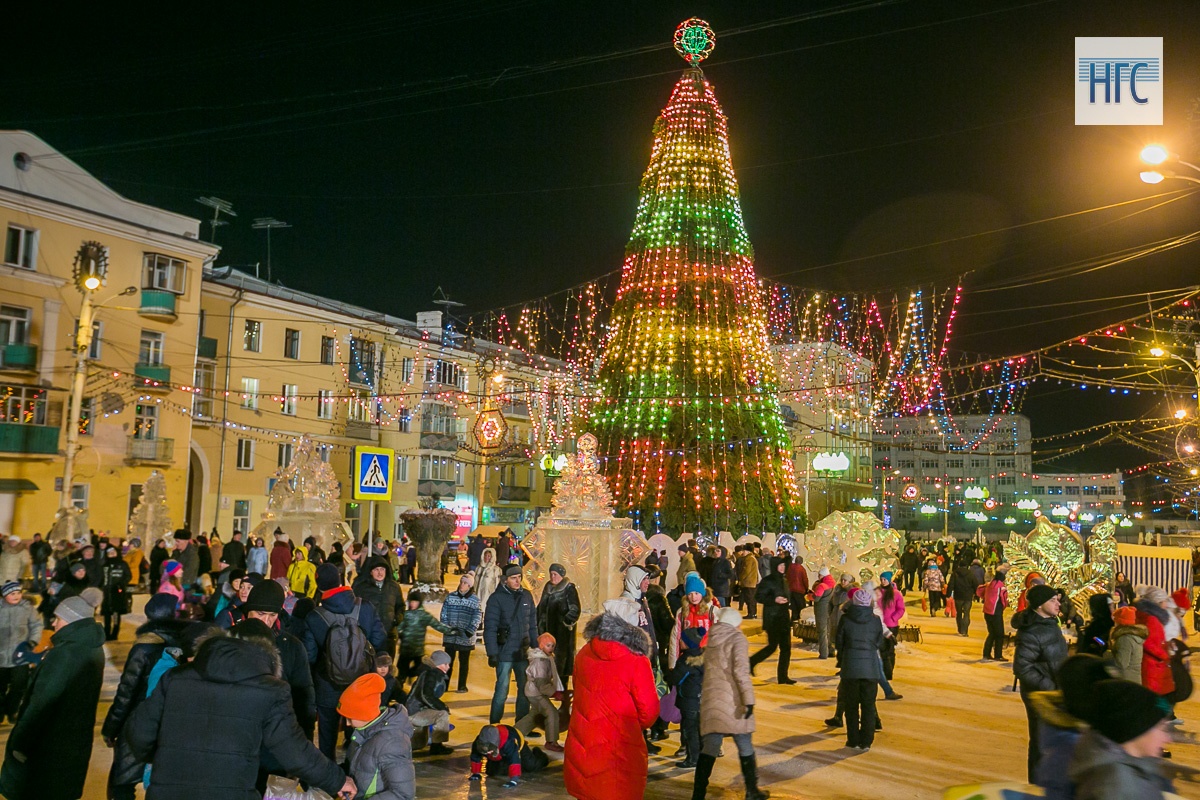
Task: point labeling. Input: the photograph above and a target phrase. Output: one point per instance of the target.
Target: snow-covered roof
(45, 173)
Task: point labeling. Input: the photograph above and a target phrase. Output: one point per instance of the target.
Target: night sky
(494, 148)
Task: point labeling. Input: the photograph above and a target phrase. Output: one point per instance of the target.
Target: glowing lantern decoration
(490, 429)
(694, 40)
(1027, 505)
(869, 502)
(990, 504)
(911, 492)
(1010, 520)
(975, 493)
(928, 509)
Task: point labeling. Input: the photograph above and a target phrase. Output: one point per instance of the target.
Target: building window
(362, 361)
(1108, 490)
(287, 404)
(402, 469)
(151, 349)
(954, 463)
(94, 345)
(1039, 491)
(1072, 490)
(14, 324)
(22, 405)
(458, 473)
(1054, 490)
(291, 343)
(20, 250)
(406, 369)
(202, 400)
(1006, 463)
(245, 454)
(929, 463)
(87, 416)
(1006, 480)
(328, 348)
(436, 468)
(252, 337)
(325, 403)
(353, 514)
(326, 451)
(361, 406)
(79, 496)
(437, 418)
(163, 273)
(285, 456)
(145, 421)
(241, 516)
(249, 392)
(444, 372)
(404, 420)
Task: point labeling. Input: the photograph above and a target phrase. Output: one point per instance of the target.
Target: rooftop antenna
(440, 298)
(219, 207)
(268, 224)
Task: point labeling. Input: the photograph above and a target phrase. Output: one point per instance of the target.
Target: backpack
(347, 654)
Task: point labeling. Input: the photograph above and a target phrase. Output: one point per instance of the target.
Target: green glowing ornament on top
(694, 40)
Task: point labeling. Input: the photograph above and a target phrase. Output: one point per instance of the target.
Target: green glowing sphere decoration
(694, 40)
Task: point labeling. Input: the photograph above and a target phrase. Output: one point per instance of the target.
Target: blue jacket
(316, 630)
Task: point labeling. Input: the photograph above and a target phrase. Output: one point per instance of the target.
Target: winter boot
(704, 768)
(750, 776)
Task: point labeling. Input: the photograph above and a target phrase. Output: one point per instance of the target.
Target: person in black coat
(773, 595)
(557, 613)
(116, 593)
(910, 564)
(721, 578)
(234, 553)
(70, 579)
(47, 753)
(206, 723)
(424, 703)
(509, 630)
(204, 554)
(159, 554)
(962, 589)
(93, 562)
(161, 631)
(859, 637)
(1096, 634)
(687, 676)
(374, 585)
(1039, 654)
(265, 603)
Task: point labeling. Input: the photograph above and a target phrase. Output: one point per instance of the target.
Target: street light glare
(1154, 154)
(91, 282)
(1152, 176)
(1157, 351)
(1181, 413)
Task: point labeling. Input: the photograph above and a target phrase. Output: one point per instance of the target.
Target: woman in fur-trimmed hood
(615, 700)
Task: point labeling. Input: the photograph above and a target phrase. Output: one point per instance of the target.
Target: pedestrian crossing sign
(373, 473)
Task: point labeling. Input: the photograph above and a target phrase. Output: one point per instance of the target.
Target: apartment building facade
(144, 339)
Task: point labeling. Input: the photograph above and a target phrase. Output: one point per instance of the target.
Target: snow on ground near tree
(959, 722)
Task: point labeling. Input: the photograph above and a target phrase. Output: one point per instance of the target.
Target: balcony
(16, 437)
(155, 377)
(150, 451)
(158, 304)
(18, 357)
(361, 430)
(202, 411)
(441, 442)
(206, 348)
(514, 494)
(443, 489)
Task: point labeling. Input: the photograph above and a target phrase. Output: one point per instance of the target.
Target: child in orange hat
(380, 751)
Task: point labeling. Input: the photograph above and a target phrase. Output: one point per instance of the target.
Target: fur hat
(361, 699)
(729, 616)
(1152, 594)
(624, 609)
(1038, 595)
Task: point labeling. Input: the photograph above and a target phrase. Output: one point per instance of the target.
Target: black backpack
(347, 654)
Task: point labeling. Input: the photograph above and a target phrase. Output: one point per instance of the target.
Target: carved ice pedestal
(595, 553)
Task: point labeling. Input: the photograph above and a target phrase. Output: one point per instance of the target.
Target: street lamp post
(1156, 157)
(830, 464)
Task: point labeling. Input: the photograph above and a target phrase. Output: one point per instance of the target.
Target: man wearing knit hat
(20, 623)
(264, 603)
(509, 628)
(49, 747)
(380, 751)
(338, 606)
(1119, 755)
(1040, 653)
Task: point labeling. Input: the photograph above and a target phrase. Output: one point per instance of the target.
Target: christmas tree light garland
(687, 365)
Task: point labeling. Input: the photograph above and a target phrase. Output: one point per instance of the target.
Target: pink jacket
(995, 594)
(893, 611)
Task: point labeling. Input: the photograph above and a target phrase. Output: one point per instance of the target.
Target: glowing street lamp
(1155, 155)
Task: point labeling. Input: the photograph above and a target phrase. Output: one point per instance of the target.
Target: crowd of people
(301, 663)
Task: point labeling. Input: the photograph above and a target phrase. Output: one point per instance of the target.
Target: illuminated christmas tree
(151, 519)
(686, 414)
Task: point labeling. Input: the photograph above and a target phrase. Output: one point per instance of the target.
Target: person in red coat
(615, 700)
(1156, 655)
(281, 555)
(797, 581)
